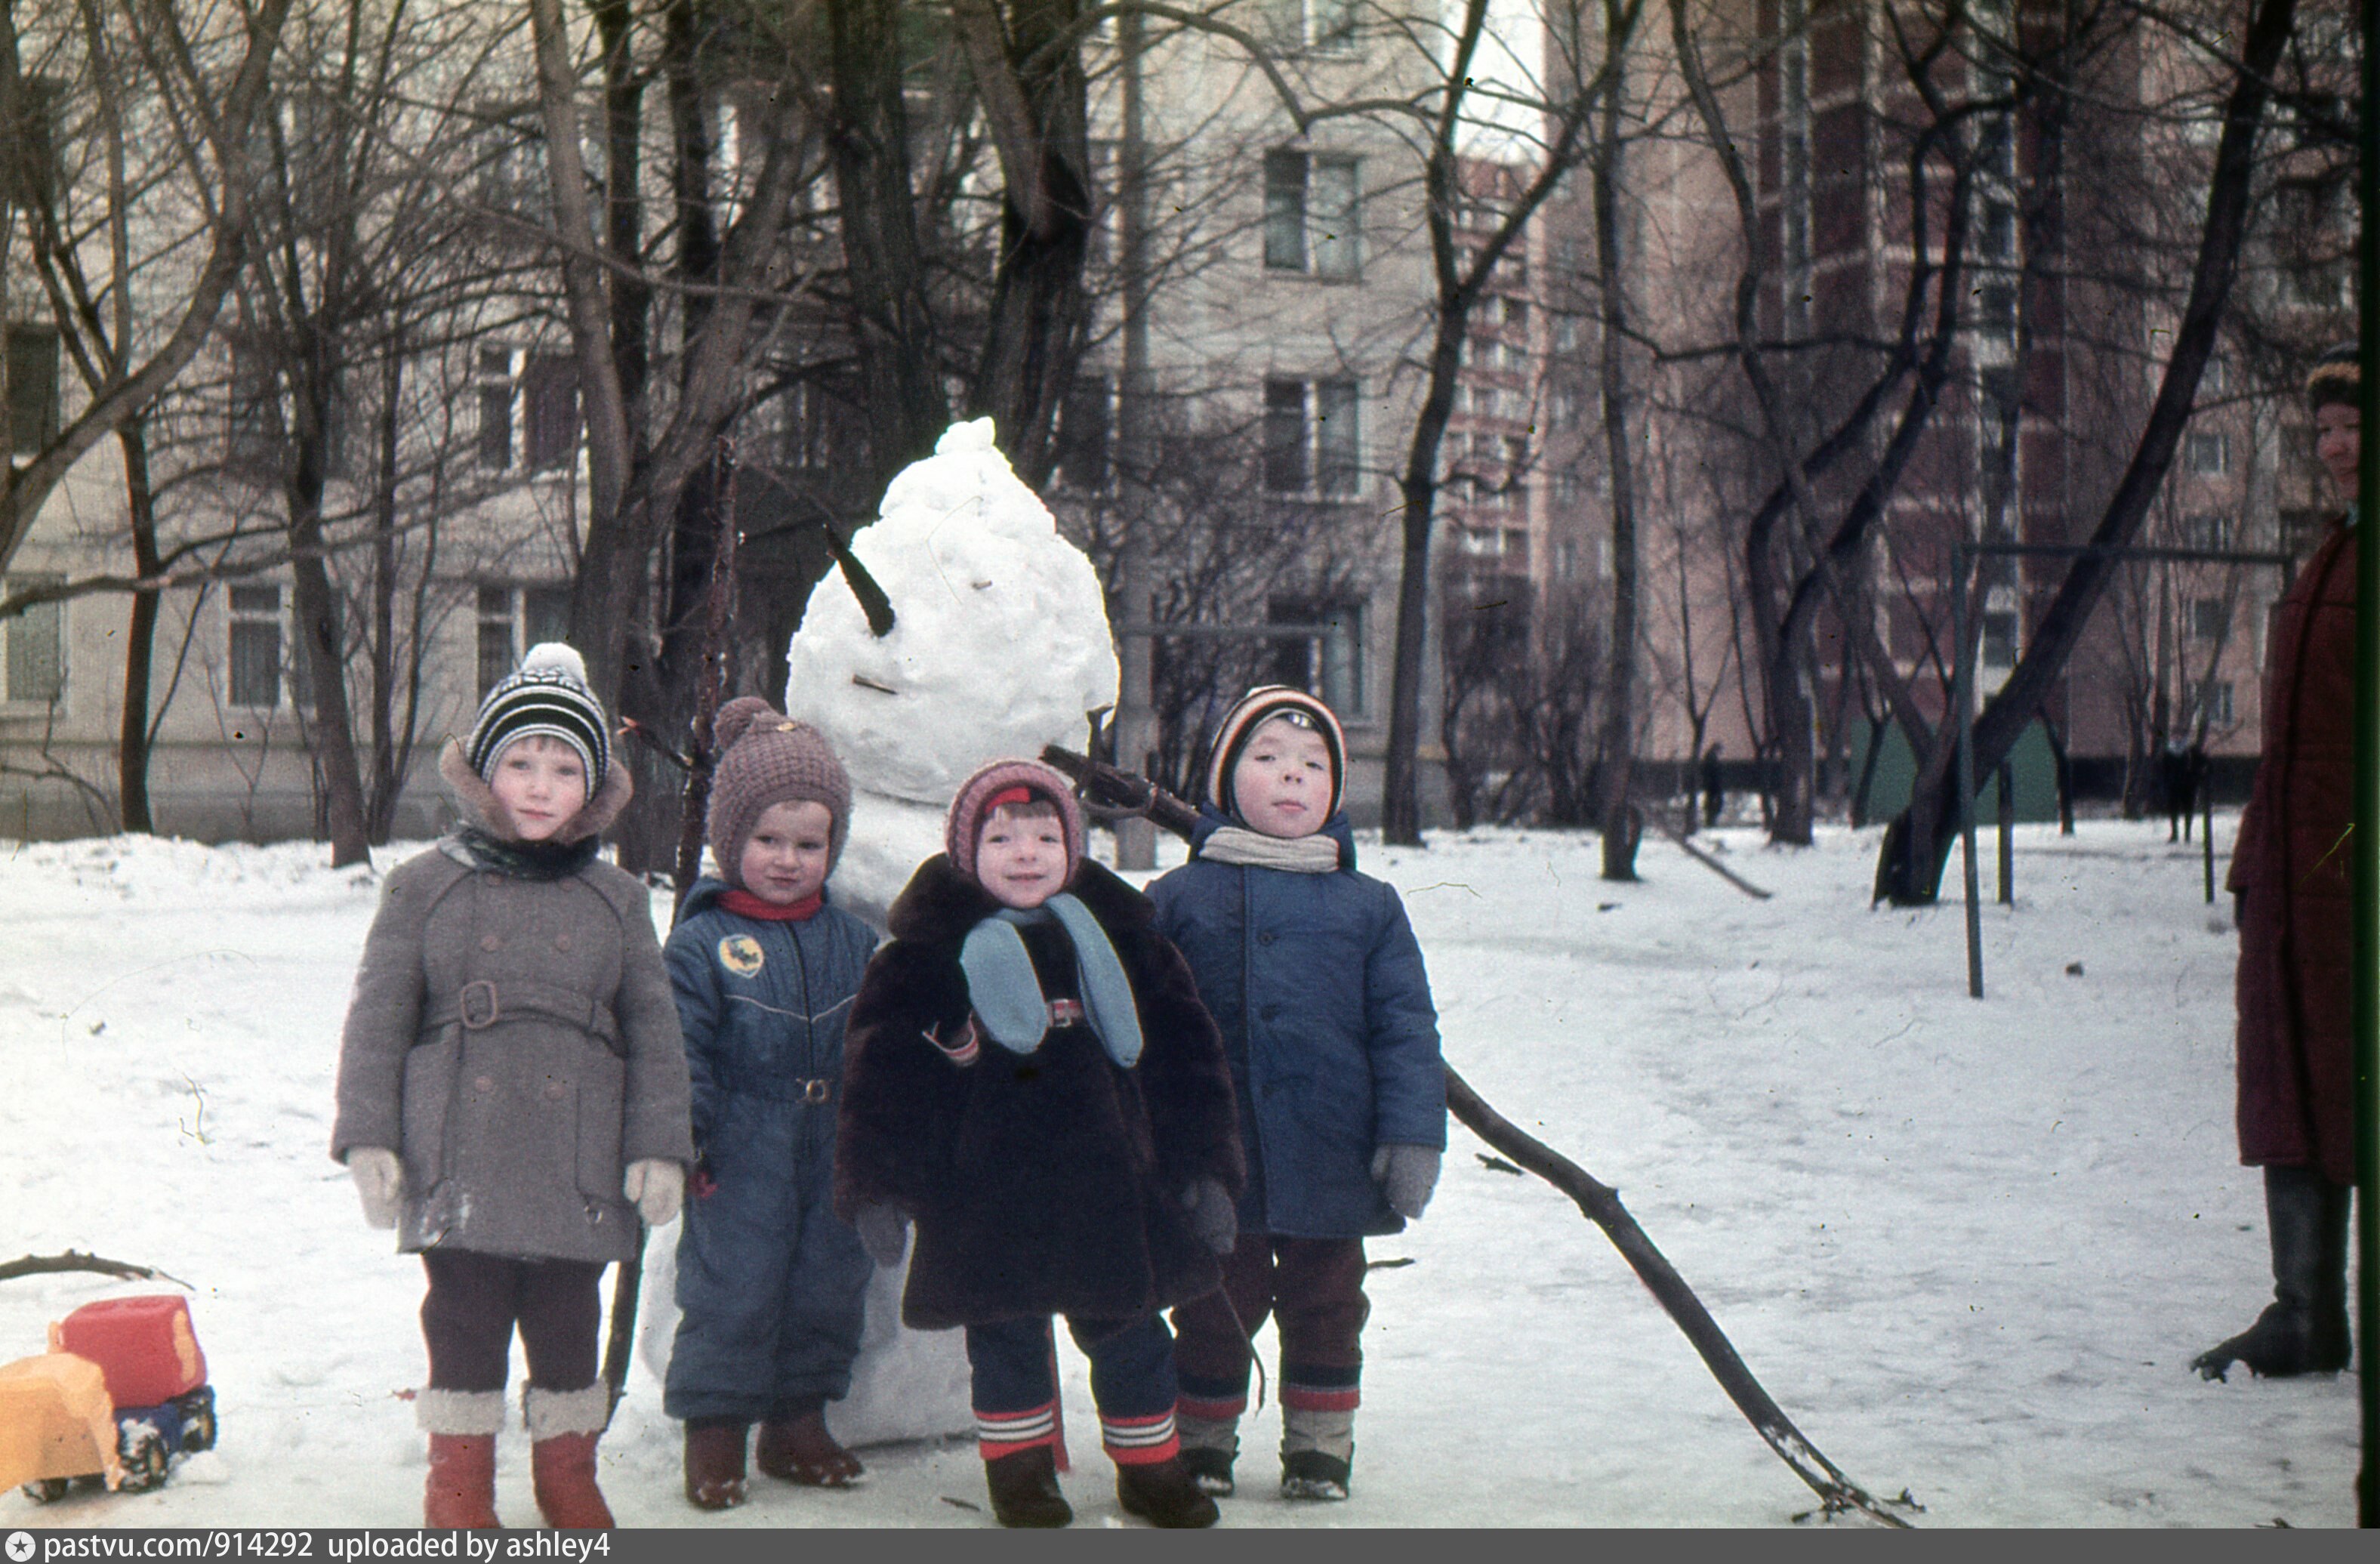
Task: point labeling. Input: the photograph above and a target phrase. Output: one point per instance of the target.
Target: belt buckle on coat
(814, 1090)
(1065, 1013)
(474, 1022)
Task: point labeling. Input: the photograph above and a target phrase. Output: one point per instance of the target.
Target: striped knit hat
(1252, 711)
(1009, 782)
(547, 693)
(765, 757)
(2336, 376)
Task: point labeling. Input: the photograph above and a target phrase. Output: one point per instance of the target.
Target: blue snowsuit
(772, 1285)
(1316, 983)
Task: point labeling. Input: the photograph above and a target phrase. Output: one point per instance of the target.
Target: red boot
(561, 1470)
(462, 1490)
(564, 1426)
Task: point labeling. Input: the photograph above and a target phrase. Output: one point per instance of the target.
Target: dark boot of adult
(2304, 1331)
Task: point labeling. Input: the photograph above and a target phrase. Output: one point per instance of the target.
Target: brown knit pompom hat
(766, 758)
(964, 827)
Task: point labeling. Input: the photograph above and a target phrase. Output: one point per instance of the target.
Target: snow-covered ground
(1970, 1247)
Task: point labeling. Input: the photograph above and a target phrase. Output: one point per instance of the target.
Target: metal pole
(2206, 831)
(2365, 859)
(1136, 725)
(1962, 699)
(2006, 779)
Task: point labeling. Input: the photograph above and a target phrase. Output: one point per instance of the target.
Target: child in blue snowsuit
(1315, 980)
(772, 1286)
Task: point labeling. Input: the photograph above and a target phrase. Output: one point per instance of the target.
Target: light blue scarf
(1007, 995)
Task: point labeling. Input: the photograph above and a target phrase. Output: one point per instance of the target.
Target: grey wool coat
(515, 1041)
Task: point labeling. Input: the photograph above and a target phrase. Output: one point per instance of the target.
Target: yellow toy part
(56, 1422)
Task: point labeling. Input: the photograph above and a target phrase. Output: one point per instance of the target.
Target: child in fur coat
(512, 1092)
(1031, 1080)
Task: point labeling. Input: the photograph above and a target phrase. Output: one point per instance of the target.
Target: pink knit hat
(765, 757)
(975, 800)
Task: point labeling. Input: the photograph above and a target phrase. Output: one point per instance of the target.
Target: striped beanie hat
(2336, 376)
(766, 758)
(1252, 711)
(547, 693)
(1003, 782)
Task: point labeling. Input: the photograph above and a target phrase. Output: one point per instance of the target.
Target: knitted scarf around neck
(1006, 992)
(477, 849)
(1317, 854)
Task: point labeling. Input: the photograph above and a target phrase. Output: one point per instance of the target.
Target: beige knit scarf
(1299, 854)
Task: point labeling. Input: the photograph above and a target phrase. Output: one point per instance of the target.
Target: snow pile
(999, 646)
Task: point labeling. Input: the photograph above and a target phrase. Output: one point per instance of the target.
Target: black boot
(1164, 1494)
(1025, 1491)
(2304, 1331)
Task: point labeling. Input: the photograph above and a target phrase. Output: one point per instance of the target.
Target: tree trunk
(140, 633)
(868, 133)
(1917, 844)
(1618, 744)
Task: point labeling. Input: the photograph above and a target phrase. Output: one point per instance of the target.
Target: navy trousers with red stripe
(1015, 1376)
(1313, 1288)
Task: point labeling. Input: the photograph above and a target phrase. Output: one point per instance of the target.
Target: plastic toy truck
(121, 1388)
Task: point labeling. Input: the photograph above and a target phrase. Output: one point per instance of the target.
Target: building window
(2207, 532)
(2209, 454)
(2217, 696)
(512, 620)
(256, 646)
(1313, 211)
(549, 412)
(1999, 637)
(1328, 662)
(32, 386)
(35, 646)
(1297, 24)
(252, 436)
(2209, 618)
(495, 387)
(1312, 438)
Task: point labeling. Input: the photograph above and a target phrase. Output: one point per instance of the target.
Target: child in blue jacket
(1314, 978)
(772, 1285)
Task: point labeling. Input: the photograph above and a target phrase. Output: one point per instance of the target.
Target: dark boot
(462, 1489)
(2304, 1331)
(800, 1450)
(1025, 1491)
(714, 1462)
(1164, 1494)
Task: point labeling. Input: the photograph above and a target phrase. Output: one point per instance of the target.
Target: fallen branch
(1698, 855)
(76, 1260)
(1838, 1493)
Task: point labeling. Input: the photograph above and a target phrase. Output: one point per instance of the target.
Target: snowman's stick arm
(1117, 788)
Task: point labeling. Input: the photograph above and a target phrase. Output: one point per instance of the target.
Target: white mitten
(654, 1187)
(379, 1183)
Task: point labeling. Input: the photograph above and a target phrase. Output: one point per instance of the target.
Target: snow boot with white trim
(564, 1426)
(1318, 1452)
(1210, 1446)
(462, 1426)
(2304, 1329)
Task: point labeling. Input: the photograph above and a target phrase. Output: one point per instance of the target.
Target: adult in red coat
(2289, 875)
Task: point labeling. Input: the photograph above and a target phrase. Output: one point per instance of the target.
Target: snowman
(999, 646)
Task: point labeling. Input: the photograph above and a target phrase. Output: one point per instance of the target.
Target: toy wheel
(198, 1419)
(48, 1490)
(145, 1458)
